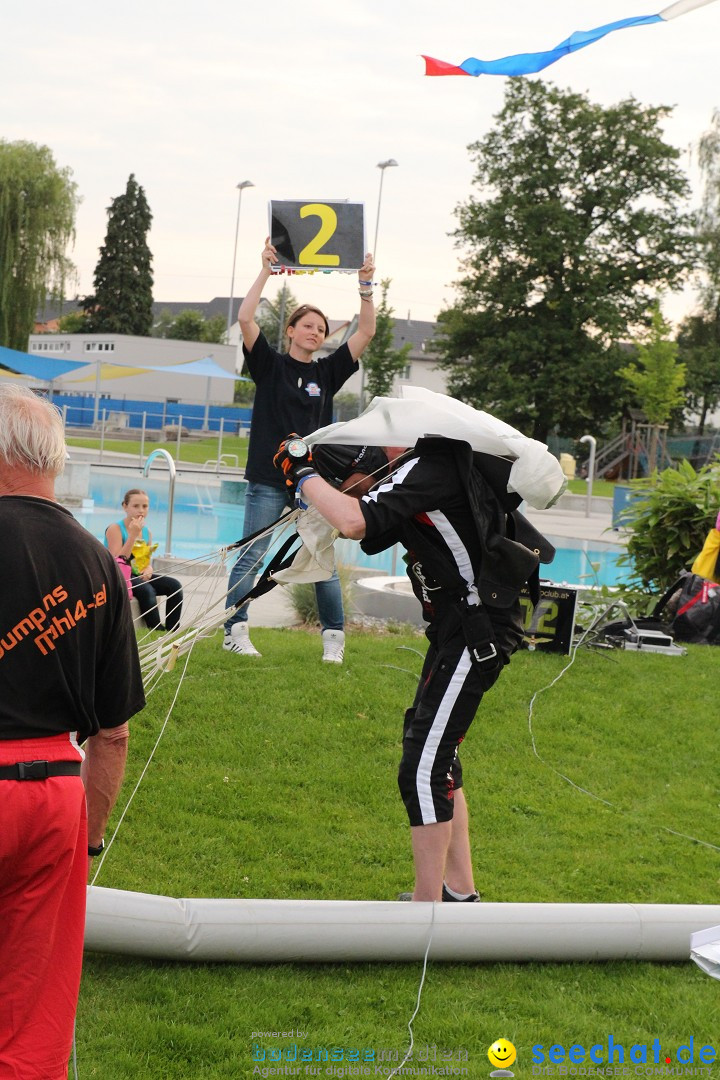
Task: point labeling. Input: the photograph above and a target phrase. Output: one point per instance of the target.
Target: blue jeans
(263, 505)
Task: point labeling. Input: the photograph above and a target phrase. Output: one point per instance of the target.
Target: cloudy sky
(304, 99)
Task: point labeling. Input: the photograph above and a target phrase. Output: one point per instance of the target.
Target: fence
(82, 411)
(117, 424)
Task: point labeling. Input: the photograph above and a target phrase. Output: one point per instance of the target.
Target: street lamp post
(382, 166)
(241, 186)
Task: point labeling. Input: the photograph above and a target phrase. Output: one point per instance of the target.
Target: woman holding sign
(294, 393)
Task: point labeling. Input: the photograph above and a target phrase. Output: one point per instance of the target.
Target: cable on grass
(397, 1068)
(584, 791)
(142, 774)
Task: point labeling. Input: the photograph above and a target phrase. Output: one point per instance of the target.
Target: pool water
(202, 525)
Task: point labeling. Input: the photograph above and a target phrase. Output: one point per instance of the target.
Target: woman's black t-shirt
(291, 396)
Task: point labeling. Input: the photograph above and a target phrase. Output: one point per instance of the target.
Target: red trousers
(43, 874)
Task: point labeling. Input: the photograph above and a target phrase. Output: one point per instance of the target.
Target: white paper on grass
(705, 950)
(535, 474)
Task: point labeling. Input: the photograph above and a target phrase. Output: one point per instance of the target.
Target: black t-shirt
(428, 491)
(290, 396)
(68, 654)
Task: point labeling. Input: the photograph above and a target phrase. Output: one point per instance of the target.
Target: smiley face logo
(502, 1053)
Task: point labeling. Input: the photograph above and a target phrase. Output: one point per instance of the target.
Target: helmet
(335, 463)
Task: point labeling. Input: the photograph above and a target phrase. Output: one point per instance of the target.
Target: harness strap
(699, 598)
(254, 535)
(280, 561)
(39, 770)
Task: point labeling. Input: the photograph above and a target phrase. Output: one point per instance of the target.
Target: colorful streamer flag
(528, 63)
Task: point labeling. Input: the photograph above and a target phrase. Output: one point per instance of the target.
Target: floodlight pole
(382, 166)
(240, 187)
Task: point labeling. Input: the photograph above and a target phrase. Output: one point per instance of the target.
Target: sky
(304, 100)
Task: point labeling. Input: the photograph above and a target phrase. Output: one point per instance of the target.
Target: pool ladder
(171, 490)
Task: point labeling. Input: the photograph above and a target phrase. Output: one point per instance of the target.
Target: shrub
(669, 519)
(303, 599)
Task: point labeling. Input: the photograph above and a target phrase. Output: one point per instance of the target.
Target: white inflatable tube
(272, 931)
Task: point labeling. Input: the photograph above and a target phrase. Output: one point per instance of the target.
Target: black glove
(294, 460)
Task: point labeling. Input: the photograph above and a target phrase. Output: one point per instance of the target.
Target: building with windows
(116, 362)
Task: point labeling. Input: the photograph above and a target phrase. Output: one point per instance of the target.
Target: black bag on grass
(693, 606)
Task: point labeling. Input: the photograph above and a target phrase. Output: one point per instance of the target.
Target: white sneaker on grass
(238, 640)
(333, 646)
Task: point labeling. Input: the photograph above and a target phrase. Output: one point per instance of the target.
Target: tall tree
(709, 218)
(37, 219)
(657, 377)
(122, 302)
(578, 223)
(699, 349)
(699, 337)
(380, 361)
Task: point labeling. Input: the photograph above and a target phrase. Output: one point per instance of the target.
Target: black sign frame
(318, 234)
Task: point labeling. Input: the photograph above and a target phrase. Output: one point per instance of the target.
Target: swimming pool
(203, 524)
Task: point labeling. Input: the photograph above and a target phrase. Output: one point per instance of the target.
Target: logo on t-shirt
(313, 389)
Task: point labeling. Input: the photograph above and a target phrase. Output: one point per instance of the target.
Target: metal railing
(171, 491)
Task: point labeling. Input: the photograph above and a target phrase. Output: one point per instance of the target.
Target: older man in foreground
(69, 672)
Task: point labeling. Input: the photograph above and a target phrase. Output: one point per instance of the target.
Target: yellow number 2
(310, 254)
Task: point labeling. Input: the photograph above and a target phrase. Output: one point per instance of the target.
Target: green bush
(302, 598)
(669, 519)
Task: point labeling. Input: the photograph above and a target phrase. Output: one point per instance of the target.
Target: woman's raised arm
(246, 315)
(366, 319)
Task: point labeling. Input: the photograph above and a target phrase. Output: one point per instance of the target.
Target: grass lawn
(276, 778)
(196, 452)
(600, 487)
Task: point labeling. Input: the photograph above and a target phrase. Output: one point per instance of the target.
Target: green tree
(190, 325)
(577, 225)
(38, 201)
(699, 349)
(122, 302)
(75, 322)
(380, 361)
(656, 377)
(709, 218)
(699, 336)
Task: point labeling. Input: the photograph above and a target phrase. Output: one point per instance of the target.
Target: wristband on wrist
(93, 851)
(365, 292)
(361, 282)
(298, 489)
(302, 480)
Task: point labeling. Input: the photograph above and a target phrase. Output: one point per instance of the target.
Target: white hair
(31, 432)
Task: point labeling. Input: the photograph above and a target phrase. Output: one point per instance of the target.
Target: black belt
(39, 770)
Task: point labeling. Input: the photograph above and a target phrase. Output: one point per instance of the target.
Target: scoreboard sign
(318, 235)
(549, 625)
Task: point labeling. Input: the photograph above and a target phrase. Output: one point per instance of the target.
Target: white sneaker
(333, 646)
(238, 640)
